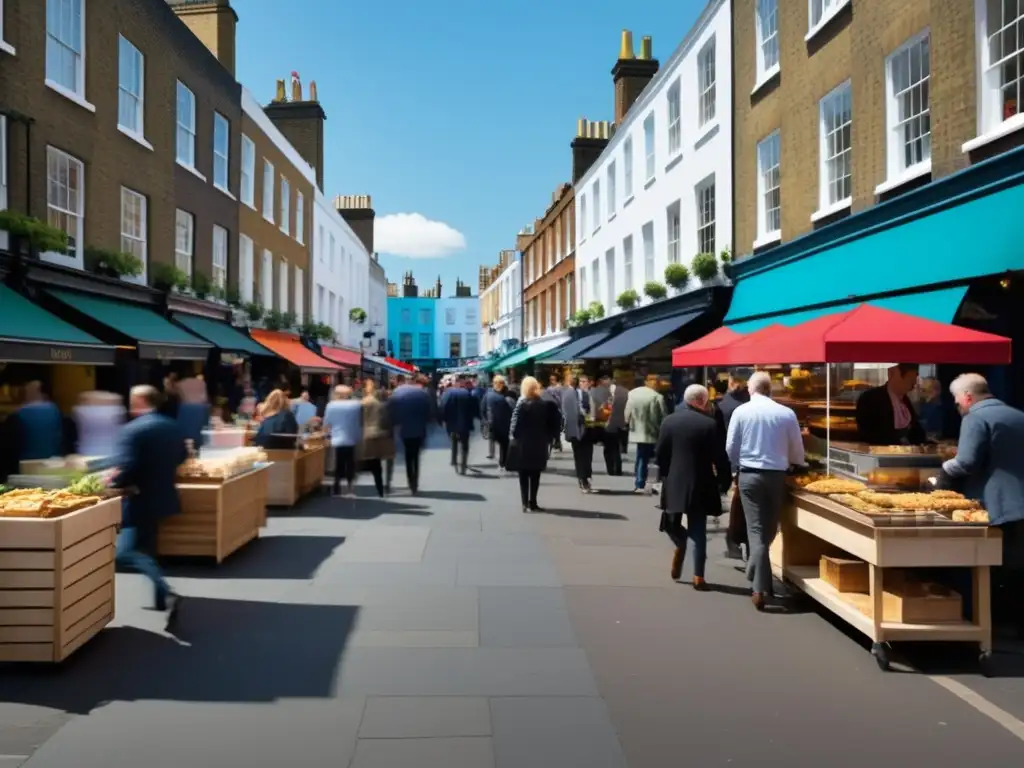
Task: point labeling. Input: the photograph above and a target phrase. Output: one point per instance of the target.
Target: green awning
(221, 335)
(518, 357)
(155, 337)
(30, 334)
(940, 306)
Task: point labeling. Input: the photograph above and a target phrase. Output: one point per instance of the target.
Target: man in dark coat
(497, 405)
(553, 393)
(152, 448)
(411, 409)
(459, 409)
(692, 457)
(885, 415)
(735, 396)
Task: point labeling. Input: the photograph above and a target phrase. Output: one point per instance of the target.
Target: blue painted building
(411, 328)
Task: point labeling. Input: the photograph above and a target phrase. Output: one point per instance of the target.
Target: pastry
(831, 485)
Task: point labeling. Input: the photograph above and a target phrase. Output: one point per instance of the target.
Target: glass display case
(901, 468)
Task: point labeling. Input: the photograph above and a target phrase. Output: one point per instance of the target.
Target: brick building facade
(548, 267)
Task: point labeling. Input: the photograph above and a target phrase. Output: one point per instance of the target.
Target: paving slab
(410, 717)
(424, 753)
(387, 574)
(385, 544)
(415, 638)
(507, 573)
(524, 617)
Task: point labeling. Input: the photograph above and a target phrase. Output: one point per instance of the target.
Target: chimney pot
(279, 96)
(646, 46)
(312, 91)
(626, 45)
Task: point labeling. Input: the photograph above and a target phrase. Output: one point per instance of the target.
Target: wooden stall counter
(895, 606)
(295, 473)
(56, 581)
(217, 517)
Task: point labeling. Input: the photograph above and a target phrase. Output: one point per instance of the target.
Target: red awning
(870, 334)
(288, 346)
(399, 364)
(720, 337)
(725, 354)
(343, 356)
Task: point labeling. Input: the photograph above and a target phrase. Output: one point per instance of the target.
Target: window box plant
(273, 320)
(357, 315)
(677, 276)
(705, 267)
(167, 277)
(655, 291)
(628, 299)
(579, 318)
(726, 258)
(202, 286)
(29, 236)
(288, 320)
(596, 310)
(107, 263)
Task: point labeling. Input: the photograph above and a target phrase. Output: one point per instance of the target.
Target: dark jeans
(642, 466)
(377, 470)
(389, 472)
(612, 454)
(529, 484)
(413, 446)
(624, 441)
(136, 549)
(344, 465)
(583, 458)
(695, 530)
(762, 494)
(460, 449)
(502, 443)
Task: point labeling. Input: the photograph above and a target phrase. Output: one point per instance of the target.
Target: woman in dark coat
(535, 423)
(498, 412)
(278, 430)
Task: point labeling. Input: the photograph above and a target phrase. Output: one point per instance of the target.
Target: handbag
(514, 457)
(737, 531)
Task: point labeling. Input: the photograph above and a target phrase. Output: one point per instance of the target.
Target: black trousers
(413, 446)
(612, 454)
(583, 458)
(624, 441)
(460, 449)
(529, 484)
(376, 467)
(344, 465)
(502, 450)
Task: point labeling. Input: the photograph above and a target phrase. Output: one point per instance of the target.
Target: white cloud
(415, 236)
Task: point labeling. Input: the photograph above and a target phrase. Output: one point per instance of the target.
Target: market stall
(297, 472)
(223, 497)
(857, 534)
(56, 570)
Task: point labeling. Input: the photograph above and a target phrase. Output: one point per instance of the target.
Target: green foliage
(357, 315)
(580, 317)
(596, 310)
(232, 296)
(166, 277)
(201, 284)
(655, 290)
(288, 319)
(41, 236)
(254, 311)
(705, 267)
(273, 320)
(628, 299)
(103, 261)
(677, 276)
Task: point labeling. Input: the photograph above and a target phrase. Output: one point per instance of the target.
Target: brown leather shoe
(677, 563)
(699, 584)
(758, 599)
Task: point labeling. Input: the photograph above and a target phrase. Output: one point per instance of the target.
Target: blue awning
(940, 306)
(940, 246)
(639, 337)
(574, 350)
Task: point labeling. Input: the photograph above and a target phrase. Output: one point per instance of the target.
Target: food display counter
(223, 505)
(296, 473)
(56, 571)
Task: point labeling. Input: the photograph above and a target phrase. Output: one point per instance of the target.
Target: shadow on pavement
(268, 557)
(580, 514)
(355, 508)
(229, 651)
(956, 659)
(450, 496)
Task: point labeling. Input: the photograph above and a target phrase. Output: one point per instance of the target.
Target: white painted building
(341, 279)
(457, 327)
(661, 191)
(378, 307)
(504, 297)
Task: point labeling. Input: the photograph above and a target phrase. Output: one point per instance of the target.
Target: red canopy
(725, 355)
(869, 333)
(399, 364)
(719, 337)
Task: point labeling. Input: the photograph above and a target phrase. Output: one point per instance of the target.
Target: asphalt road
(449, 629)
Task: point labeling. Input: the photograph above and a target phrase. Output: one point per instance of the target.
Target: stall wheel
(881, 653)
(986, 663)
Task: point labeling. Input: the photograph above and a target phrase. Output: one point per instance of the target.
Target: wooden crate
(293, 474)
(312, 467)
(216, 519)
(56, 581)
(845, 575)
(909, 601)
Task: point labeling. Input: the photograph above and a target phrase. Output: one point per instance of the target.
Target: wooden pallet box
(56, 581)
(294, 474)
(845, 575)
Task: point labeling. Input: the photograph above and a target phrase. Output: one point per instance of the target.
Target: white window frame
(611, 189)
(704, 196)
(595, 193)
(583, 287)
(766, 24)
(675, 122)
(131, 88)
(247, 183)
(627, 169)
(566, 235)
(581, 228)
(609, 277)
(222, 155)
(285, 204)
(300, 218)
(706, 77)
(831, 190)
(134, 235)
(994, 121)
(647, 241)
(300, 294)
(769, 166)
(650, 148)
(627, 262)
(595, 280)
(267, 279)
(68, 50)
(916, 94)
(450, 316)
(268, 190)
(820, 13)
(185, 142)
(283, 296)
(246, 268)
(673, 232)
(184, 240)
(219, 259)
(73, 206)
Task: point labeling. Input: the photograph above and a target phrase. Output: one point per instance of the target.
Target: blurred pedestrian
(378, 444)
(343, 417)
(498, 407)
(534, 421)
(460, 410)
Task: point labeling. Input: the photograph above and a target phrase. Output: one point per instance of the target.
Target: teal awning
(518, 357)
(940, 306)
(941, 245)
(30, 334)
(221, 335)
(155, 337)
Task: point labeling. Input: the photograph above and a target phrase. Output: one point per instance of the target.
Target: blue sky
(457, 113)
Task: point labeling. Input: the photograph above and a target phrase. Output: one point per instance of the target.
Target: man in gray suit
(576, 407)
(989, 465)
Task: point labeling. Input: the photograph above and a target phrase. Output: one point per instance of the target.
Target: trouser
(136, 549)
(491, 441)
(529, 484)
(460, 449)
(612, 453)
(377, 470)
(695, 530)
(624, 441)
(413, 446)
(502, 451)
(389, 472)
(642, 466)
(582, 458)
(762, 494)
(344, 465)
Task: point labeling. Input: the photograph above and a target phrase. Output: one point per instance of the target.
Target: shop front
(298, 366)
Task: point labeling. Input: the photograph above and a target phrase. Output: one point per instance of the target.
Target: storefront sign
(149, 351)
(33, 352)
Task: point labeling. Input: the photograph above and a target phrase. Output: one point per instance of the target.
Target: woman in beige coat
(378, 443)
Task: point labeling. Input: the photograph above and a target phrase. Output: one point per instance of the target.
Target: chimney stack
(591, 138)
(213, 22)
(358, 211)
(301, 121)
(631, 74)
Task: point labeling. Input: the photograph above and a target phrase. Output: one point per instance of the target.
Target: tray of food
(40, 503)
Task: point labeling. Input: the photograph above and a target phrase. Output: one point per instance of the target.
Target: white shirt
(764, 435)
(99, 428)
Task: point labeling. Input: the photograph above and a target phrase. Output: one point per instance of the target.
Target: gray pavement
(449, 629)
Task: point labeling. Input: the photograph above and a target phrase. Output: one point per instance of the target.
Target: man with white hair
(763, 442)
(691, 454)
(989, 466)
